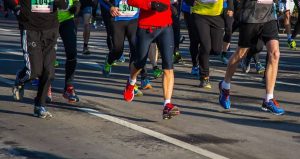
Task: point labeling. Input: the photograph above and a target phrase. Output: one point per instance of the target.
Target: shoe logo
(33, 44)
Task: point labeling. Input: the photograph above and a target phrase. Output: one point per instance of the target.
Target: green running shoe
(292, 44)
(157, 73)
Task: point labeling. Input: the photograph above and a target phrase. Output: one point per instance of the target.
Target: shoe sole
(147, 87)
(69, 100)
(261, 72)
(267, 110)
(170, 115)
(17, 95)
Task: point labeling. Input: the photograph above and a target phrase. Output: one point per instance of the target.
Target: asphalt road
(102, 125)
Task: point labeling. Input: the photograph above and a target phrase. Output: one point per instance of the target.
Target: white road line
(146, 131)
(154, 134)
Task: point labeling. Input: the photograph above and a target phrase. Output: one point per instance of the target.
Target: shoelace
(226, 93)
(169, 106)
(275, 103)
(130, 88)
(71, 90)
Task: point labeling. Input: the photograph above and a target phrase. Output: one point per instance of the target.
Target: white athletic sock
(225, 85)
(167, 101)
(268, 97)
(132, 81)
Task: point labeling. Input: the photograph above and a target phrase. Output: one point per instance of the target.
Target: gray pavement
(243, 132)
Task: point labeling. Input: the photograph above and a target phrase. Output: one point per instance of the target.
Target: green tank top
(64, 15)
(208, 7)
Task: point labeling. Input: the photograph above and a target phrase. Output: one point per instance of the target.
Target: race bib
(208, 1)
(265, 1)
(126, 10)
(42, 6)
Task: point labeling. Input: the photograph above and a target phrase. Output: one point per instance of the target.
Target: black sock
(85, 45)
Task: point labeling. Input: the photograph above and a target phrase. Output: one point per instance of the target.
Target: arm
(230, 8)
(75, 8)
(230, 5)
(102, 3)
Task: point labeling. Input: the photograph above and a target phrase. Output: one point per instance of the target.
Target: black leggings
(165, 43)
(176, 27)
(228, 27)
(194, 41)
(210, 32)
(120, 30)
(67, 31)
(297, 26)
(107, 22)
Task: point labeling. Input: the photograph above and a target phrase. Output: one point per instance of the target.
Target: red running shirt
(149, 18)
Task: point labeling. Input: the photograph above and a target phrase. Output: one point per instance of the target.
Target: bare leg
(168, 83)
(233, 63)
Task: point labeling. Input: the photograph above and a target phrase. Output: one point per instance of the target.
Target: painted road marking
(143, 130)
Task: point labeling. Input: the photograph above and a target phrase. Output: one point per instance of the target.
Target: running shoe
(114, 63)
(272, 106)
(292, 44)
(170, 111)
(195, 70)
(204, 83)
(70, 94)
(224, 59)
(35, 82)
(106, 69)
(56, 63)
(224, 97)
(49, 95)
(245, 66)
(260, 69)
(145, 84)
(41, 112)
(86, 51)
(18, 92)
(177, 57)
(137, 92)
(122, 59)
(157, 73)
(129, 92)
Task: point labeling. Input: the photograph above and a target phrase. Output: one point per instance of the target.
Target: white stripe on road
(146, 131)
(155, 134)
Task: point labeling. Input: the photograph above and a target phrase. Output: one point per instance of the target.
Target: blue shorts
(87, 10)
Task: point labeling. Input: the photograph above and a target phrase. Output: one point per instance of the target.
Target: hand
(230, 13)
(114, 11)
(73, 9)
(158, 6)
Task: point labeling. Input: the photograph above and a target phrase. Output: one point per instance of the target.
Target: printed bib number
(42, 6)
(126, 10)
(208, 1)
(265, 1)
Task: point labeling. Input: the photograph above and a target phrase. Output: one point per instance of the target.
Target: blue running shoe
(122, 59)
(195, 70)
(224, 97)
(41, 112)
(145, 84)
(272, 106)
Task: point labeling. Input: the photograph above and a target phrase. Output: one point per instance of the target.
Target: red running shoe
(128, 92)
(170, 110)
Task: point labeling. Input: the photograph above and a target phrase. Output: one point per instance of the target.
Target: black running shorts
(251, 32)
